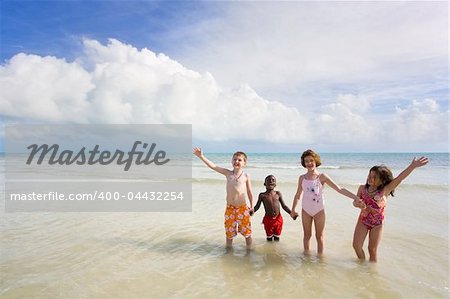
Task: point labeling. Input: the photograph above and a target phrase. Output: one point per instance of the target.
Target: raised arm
(199, 153)
(415, 163)
(283, 205)
(297, 197)
(343, 191)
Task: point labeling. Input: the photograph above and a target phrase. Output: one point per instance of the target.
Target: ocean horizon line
(329, 152)
(337, 152)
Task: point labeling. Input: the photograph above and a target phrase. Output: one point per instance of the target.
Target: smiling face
(373, 179)
(270, 182)
(238, 161)
(310, 154)
(379, 177)
(310, 163)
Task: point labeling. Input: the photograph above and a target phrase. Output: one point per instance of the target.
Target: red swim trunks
(273, 225)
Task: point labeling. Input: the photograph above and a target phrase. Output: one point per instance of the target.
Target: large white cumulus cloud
(345, 119)
(35, 87)
(420, 121)
(419, 126)
(117, 83)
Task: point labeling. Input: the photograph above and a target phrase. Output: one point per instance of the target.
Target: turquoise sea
(182, 255)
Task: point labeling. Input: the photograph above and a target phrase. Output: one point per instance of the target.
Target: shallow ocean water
(182, 255)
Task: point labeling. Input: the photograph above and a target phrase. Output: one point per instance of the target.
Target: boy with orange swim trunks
(271, 199)
(237, 214)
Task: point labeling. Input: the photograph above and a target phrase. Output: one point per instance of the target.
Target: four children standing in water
(370, 198)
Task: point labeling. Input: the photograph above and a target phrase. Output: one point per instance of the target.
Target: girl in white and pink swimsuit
(312, 202)
(309, 189)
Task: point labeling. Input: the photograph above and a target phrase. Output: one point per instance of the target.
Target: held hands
(419, 162)
(251, 211)
(359, 204)
(294, 215)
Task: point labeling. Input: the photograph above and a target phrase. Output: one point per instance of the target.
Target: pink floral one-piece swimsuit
(373, 215)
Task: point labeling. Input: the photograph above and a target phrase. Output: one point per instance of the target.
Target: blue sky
(55, 27)
(257, 76)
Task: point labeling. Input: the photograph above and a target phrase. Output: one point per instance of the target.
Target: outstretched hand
(197, 151)
(419, 162)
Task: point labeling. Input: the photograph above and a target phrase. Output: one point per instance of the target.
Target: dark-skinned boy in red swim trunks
(271, 199)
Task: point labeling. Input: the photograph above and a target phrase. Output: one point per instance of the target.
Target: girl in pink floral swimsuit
(373, 214)
(380, 184)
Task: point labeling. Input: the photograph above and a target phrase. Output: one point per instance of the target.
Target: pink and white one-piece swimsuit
(312, 201)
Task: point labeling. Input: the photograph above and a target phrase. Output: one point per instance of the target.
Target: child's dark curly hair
(385, 176)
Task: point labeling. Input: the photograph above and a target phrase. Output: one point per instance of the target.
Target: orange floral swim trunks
(237, 219)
